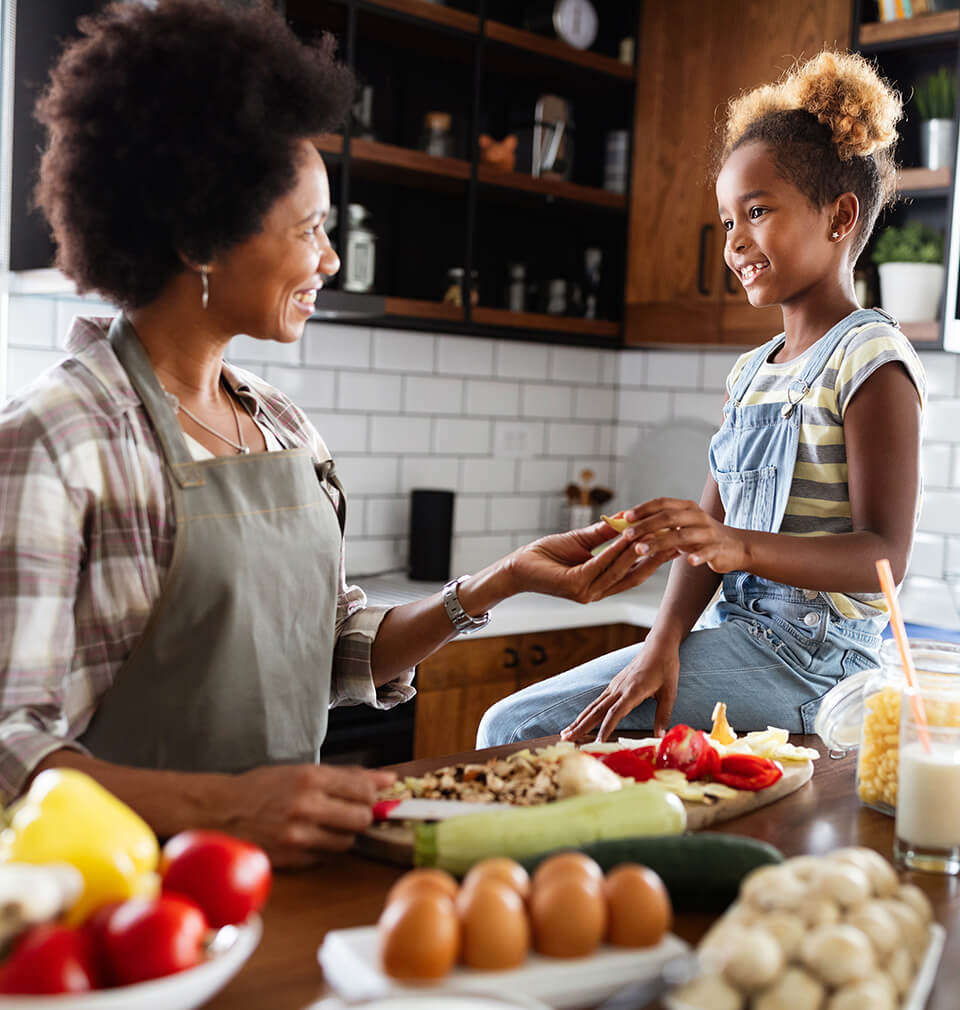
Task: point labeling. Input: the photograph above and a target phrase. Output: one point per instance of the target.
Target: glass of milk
(928, 795)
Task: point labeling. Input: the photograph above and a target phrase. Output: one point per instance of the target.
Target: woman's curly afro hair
(171, 131)
(830, 125)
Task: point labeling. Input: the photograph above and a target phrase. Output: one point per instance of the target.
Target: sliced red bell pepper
(747, 771)
(631, 762)
(689, 751)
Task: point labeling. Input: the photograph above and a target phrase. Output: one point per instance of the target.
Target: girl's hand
(652, 673)
(671, 524)
(563, 564)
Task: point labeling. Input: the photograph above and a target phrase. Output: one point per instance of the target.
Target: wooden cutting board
(392, 841)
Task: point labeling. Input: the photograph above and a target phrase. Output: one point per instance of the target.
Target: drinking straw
(900, 634)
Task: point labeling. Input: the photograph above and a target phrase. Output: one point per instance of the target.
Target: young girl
(814, 473)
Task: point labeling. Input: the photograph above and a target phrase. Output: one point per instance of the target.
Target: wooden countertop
(348, 890)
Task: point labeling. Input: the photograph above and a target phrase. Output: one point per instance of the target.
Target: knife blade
(426, 810)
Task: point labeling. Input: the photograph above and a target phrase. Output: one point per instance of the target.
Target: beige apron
(233, 668)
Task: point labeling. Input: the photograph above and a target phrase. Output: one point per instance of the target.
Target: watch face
(575, 21)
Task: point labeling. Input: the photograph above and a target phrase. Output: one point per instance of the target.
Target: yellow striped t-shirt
(819, 503)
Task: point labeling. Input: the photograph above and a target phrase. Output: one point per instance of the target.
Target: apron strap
(326, 471)
(128, 348)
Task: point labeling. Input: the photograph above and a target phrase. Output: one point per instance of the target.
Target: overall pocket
(749, 498)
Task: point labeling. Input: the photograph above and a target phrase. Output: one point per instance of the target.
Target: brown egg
(494, 928)
(569, 914)
(500, 868)
(430, 879)
(566, 863)
(419, 935)
(639, 912)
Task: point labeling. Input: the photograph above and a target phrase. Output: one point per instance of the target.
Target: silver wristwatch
(462, 622)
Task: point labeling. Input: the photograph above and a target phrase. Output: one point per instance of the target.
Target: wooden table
(348, 890)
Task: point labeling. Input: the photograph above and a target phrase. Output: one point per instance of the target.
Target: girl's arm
(882, 432)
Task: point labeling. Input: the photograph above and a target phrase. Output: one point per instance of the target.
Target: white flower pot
(911, 291)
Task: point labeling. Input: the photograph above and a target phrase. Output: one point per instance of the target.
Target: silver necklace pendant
(244, 450)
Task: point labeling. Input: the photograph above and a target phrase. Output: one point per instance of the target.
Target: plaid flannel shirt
(86, 534)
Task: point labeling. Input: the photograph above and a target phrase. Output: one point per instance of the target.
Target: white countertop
(924, 601)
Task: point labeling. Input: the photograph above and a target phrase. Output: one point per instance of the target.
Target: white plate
(183, 991)
(351, 963)
(420, 1000)
(916, 998)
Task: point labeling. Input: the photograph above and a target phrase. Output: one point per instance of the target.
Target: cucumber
(702, 871)
(456, 844)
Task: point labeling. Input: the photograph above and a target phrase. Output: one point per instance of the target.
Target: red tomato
(50, 959)
(689, 751)
(631, 764)
(149, 938)
(747, 771)
(228, 878)
(95, 926)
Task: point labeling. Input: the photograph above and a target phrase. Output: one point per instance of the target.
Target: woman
(173, 609)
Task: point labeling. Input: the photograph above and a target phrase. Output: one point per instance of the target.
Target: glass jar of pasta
(863, 711)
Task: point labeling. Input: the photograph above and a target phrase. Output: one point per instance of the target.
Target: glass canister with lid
(863, 711)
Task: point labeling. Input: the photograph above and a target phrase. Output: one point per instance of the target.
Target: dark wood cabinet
(459, 683)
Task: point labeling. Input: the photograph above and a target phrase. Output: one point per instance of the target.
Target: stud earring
(205, 283)
(834, 235)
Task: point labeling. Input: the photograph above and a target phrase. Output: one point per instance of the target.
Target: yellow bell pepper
(67, 817)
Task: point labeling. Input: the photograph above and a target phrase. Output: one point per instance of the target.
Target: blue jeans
(770, 658)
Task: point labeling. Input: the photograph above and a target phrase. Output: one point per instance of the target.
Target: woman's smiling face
(267, 285)
(777, 243)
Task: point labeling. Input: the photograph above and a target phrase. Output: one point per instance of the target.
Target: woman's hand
(295, 812)
(562, 564)
(652, 673)
(671, 524)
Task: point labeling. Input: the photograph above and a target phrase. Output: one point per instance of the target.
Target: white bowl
(182, 991)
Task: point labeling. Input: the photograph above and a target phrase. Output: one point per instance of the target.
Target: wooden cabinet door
(463, 679)
(694, 57)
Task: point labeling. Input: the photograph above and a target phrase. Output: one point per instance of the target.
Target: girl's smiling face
(777, 242)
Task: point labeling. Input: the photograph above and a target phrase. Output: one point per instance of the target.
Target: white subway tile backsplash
(67, 308)
(641, 406)
(540, 399)
(251, 350)
(471, 553)
(942, 420)
(605, 436)
(437, 472)
(400, 434)
(633, 368)
(464, 356)
(609, 367)
(431, 394)
(521, 361)
(625, 437)
(366, 475)
(493, 398)
(594, 403)
(26, 364)
(373, 391)
(941, 372)
(470, 514)
(716, 368)
(403, 351)
(342, 432)
(332, 345)
(462, 436)
(704, 406)
(487, 476)
(935, 459)
(674, 369)
(929, 555)
(510, 513)
(549, 476)
(518, 439)
(387, 517)
(941, 512)
(575, 364)
(356, 525)
(370, 556)
(565, 439)
(32, 321)
(309, 388)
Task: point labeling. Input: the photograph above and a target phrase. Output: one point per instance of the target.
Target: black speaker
(431, 531)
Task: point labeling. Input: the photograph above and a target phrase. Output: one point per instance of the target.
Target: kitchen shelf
(922, 332)
(449, 17)
(923, 28)
(556, 50)
(557, 188)
(542, 321)
(405, 163)
(412, 308)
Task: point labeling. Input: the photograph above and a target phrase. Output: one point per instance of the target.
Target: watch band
(462, 622)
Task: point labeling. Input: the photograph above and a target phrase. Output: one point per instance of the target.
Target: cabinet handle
(705, 232)
(539, 655)
(732, 289)
(513, 658)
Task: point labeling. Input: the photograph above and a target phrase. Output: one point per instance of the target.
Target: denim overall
(768, 650)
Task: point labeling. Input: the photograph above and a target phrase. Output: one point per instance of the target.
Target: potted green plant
(910, 264)
(935, 99)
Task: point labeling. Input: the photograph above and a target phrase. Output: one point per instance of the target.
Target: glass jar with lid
(862, 712)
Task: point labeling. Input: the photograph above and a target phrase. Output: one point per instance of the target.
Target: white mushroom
(838, 954)
(708, 992)
(880, 926)
(756, 962)
(820, 911)
(883, 877)
(875, 993)
(911, 895)
(912, 927)
(794, 990)
(900, 967)
(741, 913)
(803, 867)
(787, 929)
(846, 884)
(772, 888)
(718, 944)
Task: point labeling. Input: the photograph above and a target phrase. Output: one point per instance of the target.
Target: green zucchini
(702, 871)
(520, 832)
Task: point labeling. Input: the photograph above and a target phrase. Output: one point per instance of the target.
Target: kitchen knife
(426, 810)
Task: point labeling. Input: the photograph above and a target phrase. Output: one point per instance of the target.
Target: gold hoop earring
(205, 284)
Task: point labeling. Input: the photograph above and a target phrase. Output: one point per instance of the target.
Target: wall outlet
(512, 441)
